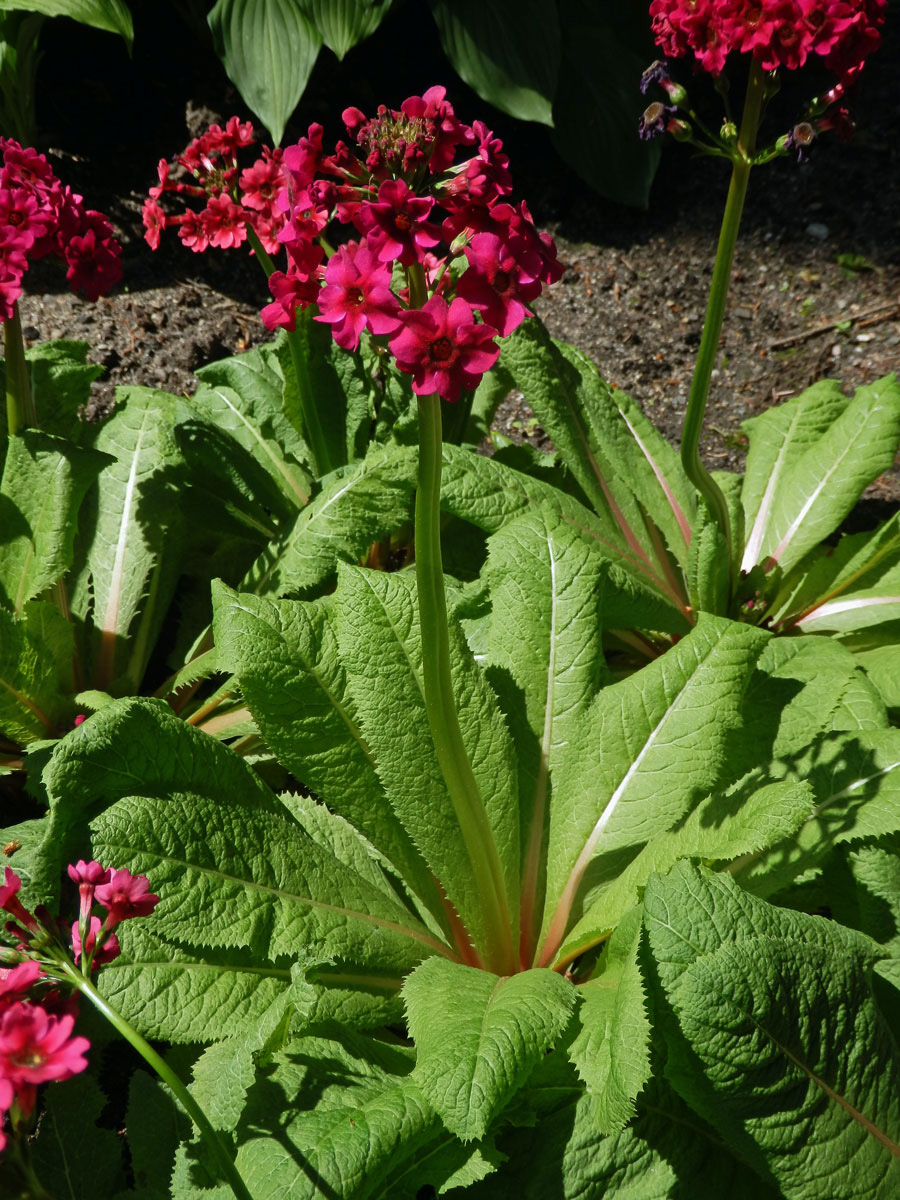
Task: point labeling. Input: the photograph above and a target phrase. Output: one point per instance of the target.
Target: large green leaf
(598, 103)
(748, 983)
(478, 1036)
(35, 671)
(652, 747)
(44, 480)
(286, 657)
(779, 438)
(343, 23)
(545, 661)
(612, 1051)
(357, 505)
(245, 395)
(112, 15)
(71, 1154)
(128, 531)
(387, 688)
(508, 51)
(269, 49)
(825, 482)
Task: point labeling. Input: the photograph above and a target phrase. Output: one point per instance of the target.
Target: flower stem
(168, 1076)
(439, 701)
(20, 410)
(309, 413)
(715, 310)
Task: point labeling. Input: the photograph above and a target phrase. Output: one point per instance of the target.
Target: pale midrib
(302, 496)
(754, 542)
(111, 615)
(817, 491)
(677, 511)
(308, 901)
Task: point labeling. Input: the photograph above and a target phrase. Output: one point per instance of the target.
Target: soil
(634, 290)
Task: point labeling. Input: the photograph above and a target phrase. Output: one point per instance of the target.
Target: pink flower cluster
(442, 262)
(36, 1018)
(39, 216)
(232, 198)
(778, 33)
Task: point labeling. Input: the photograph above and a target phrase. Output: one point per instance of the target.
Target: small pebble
(817, 230)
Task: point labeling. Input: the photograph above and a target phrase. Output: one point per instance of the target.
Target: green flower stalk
(742, 161)
(20, 410)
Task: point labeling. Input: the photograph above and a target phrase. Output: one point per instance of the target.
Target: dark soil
(634, 291)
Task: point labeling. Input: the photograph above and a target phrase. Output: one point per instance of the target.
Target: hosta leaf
(779, 438)
(653, 746)
(597, 107)
(285, 655)
(357, 505)
(545, 661)
(378, 608)
(612, 1051)
(269, 49)
(751, 983)
(44, 479)
(478, 1036)
(509, 54)
(343, 23)
(825, 482)
(726, 826)
(111, 15)
(489, 494)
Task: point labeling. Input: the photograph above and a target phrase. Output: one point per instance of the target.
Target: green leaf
(825, 482)
(632, 482)
(509, 53)
(612, 1050)
(545, 662)
(343, 23)
(779, 438)
(652, 747)
(45, 480)
(61, 379)
(790, 994)
(489, 494)
(708, 570)
(598, 102)
(127, 527)
(111, 15)
(154, 1126)
(375, 608)
(286, 657)
(72, 1157)
(35, 660)
(268, 49)
(478, 1036)
(184, 995)
(357, 506)
(724, 827)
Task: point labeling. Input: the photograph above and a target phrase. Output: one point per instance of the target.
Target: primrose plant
(514, 927)
(752, 548)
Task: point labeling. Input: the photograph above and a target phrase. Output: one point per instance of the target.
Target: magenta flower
(10, 902)
(357, 295)
(291, 292)
(107, 950)
(36, 1047)
(224, 222)
(16, 981)
(93, 258)
(444, 349)
(396, 225)
(126, 896)
(496, 284)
